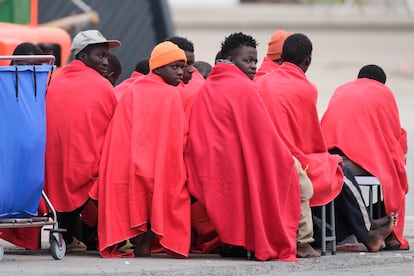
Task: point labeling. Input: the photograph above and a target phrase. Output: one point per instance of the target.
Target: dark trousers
(351, 215)
(350, 210)
(71, 221)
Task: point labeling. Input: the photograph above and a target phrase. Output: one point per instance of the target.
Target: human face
(96, 57)
(189, 68)
(172, 73)
(246, 59)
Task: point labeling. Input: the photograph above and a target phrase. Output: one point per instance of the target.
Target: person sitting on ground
(141, 190)
(26, 48)
(291, 101)
(192, 78)
(238, 167)
(80, 103)
(114, 68)
(362, 124)
(273, 58)
(142, 66)
(203, 67)
(141, 69)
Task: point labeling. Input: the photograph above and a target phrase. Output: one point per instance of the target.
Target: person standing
(238, 167)
(79, 106)
(362, 124)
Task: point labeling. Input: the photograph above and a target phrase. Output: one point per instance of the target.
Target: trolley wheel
(1, 252)
(57, 252)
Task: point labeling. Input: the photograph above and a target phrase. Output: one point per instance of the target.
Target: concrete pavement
(18, 261)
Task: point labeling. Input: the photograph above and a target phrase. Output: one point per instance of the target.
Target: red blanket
(204, 238)
(122, 87)
(142, 174)
(291, 101)
(267, 66)
(239, 169)
(23, 237)
(362, 120)
(79, 106)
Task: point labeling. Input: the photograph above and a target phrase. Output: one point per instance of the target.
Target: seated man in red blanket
(273, 58)
(192, 79)
(80, 103)
(291, 101)
(363, 125)
(238, 167)
(141, 192)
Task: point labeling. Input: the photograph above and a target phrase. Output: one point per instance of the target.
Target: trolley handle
(50, 58)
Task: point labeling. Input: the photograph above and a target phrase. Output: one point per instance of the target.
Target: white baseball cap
(85, 38)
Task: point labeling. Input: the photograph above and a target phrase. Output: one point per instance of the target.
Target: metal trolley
(17, 209)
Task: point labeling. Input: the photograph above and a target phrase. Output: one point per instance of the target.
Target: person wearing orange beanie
(273, 59)
(141, 193)
(165, 53)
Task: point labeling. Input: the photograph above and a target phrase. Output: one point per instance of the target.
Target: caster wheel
(57, 252)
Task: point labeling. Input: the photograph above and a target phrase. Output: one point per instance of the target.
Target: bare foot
(377, 236)
(391, 240)
(307, 251)
(377, 223)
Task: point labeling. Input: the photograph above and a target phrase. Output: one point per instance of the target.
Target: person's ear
(304, 65)
(308, 60)
(82, 56)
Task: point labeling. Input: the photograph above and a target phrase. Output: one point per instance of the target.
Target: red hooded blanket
(291, 101)
(239, 169)
(142, 174)
(79, 106)
(362, 121)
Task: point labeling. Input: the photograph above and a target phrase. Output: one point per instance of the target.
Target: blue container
(22, 138)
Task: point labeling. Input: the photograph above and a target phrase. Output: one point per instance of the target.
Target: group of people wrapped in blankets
(237, 161)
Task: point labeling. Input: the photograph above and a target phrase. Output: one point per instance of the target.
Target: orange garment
(291, 101)
(79, 106)
(267, 66)
(122, 87)
(239, 169)
(142, 174)
(362, 120)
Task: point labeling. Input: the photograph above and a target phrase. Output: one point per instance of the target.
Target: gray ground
(344, 40)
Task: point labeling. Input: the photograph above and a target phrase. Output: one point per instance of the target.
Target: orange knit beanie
(165, 53)
(275, 47)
